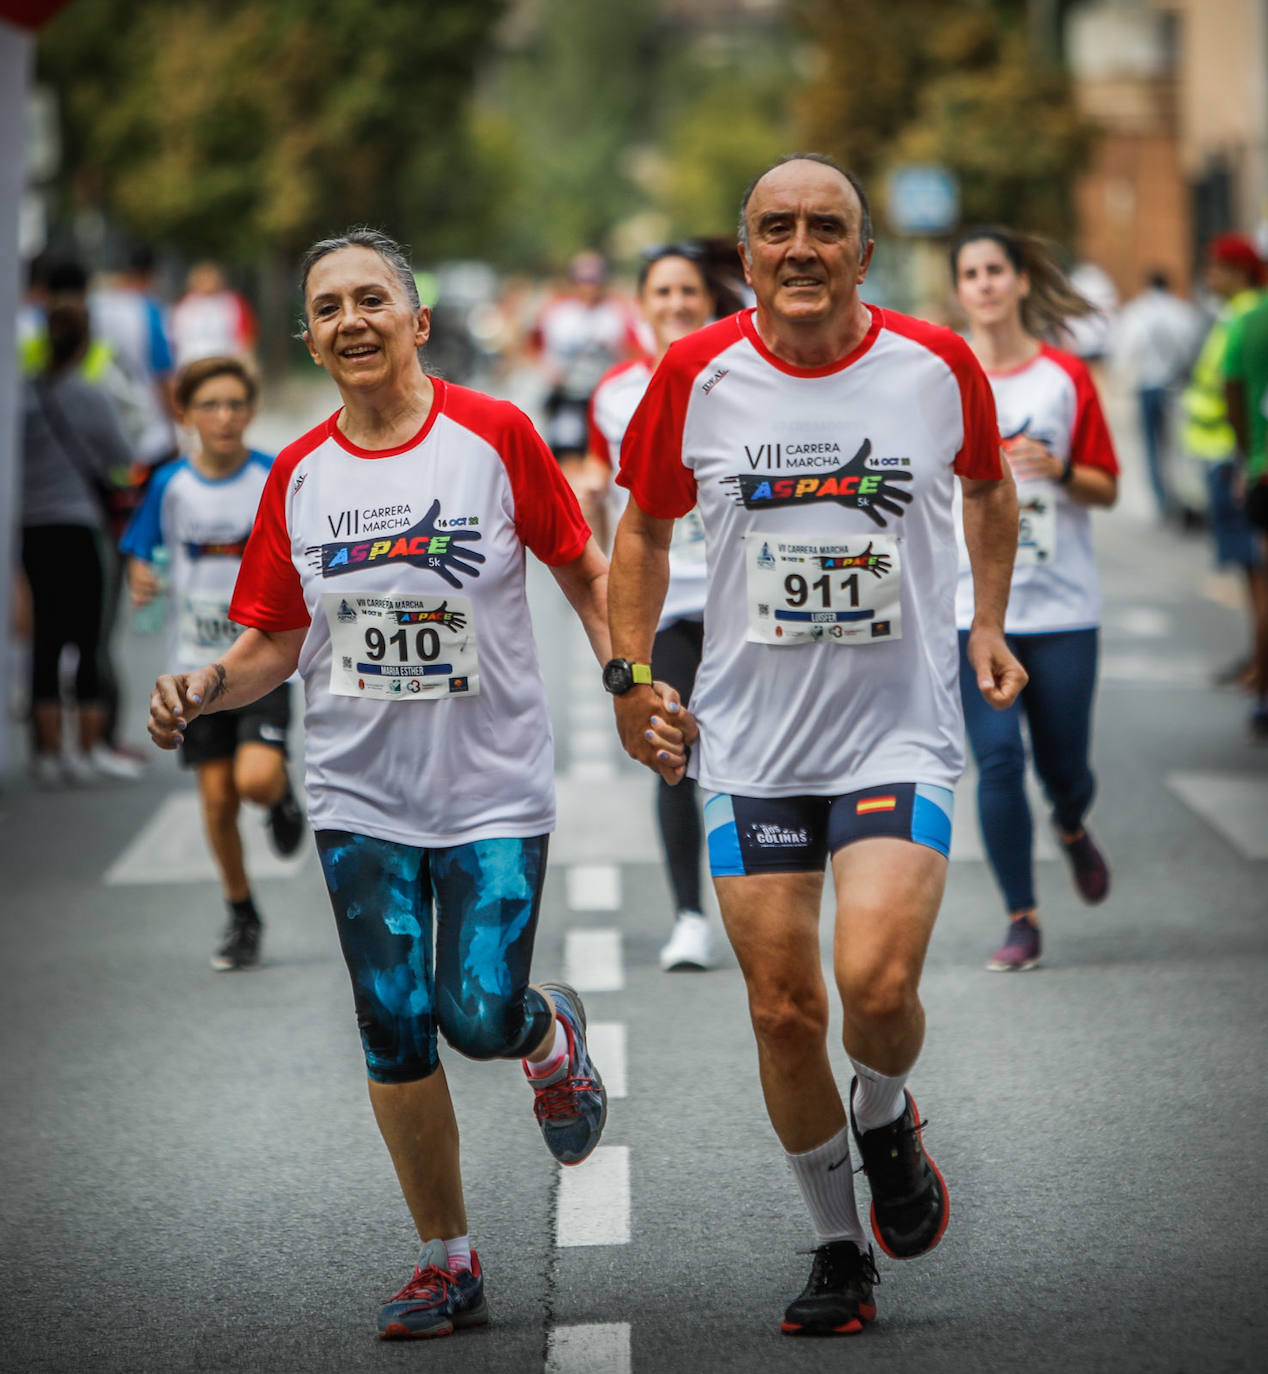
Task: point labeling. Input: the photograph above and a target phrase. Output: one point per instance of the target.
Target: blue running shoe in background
(571, 1104)
(435, 1302)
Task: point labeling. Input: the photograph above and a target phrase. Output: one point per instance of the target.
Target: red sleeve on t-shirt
(268, 594)
(661, 484)
(979, 452)
(1090, 442)
(548, 519)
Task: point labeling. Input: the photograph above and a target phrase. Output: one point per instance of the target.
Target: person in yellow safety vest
(1237, 274)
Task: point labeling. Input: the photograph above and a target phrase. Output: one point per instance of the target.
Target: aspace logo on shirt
(217, 548)
(854, 484)
(443, 546)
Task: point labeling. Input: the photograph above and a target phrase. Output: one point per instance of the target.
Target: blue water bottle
(151, 618)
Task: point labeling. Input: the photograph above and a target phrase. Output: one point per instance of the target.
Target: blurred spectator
(1246, 391)
(1235, 273)
(211, 320)
(127, 316)
(579, 335)
(1154, 342)
(71, 442)
(1087, 336)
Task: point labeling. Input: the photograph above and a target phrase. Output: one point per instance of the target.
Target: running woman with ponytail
(676, 298)
(1062, 458)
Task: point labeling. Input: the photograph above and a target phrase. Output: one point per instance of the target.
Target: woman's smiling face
(362, 326)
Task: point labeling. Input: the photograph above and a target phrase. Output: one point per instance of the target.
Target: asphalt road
(192, 1179)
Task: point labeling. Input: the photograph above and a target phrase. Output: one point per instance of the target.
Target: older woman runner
(387, 562)
(1062, 457)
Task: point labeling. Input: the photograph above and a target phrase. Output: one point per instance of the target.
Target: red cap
(1236, 250)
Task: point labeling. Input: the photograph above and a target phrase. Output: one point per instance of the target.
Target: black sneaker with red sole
(837, 1298)
(910, 1201)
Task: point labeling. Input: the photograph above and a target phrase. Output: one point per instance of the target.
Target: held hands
(1030, 460)
(176, 700)
(999, 675)
(656, 728)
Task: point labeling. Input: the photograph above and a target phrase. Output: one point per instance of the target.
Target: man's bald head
(865, 224)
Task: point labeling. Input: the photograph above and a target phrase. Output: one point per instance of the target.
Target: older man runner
(819, 438)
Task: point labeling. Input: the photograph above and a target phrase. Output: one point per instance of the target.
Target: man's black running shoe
(239, 946)
(286, 824)
(837, 1298)
(910, 1201)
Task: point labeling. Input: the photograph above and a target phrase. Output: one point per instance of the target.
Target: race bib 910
(805, 590)
(401, 648)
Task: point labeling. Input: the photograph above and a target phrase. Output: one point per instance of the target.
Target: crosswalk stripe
(606, 1041)
(594, 1200)
(1234, 805)
(602, 1348)
(592, 960)
(171, 848)
(594, 887)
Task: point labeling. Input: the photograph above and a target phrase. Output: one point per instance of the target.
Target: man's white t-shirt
(426, 719)
(614, 401)
(1051, 399)
(204, 524)
(830, 654)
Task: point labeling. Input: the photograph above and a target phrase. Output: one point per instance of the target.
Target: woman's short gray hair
(362, 236)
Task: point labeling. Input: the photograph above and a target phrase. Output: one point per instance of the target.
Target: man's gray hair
(865, 222)
(362, 236)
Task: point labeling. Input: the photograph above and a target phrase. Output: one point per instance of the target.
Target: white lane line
(592, 770)
(1236, 806)
(599, 1349)
(592, 960)
(171, 848)
(592, 743)
(594, 1200)
(594, 887)
(1141, 622)
(606, 1041)
(593, 711)
(1149, 670)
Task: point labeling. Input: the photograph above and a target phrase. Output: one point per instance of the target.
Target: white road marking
(1151, 670)
(589, 743)
(607, 822)
(591, 770)
(606, 1041)
(592, 960)
(594, 887)
(1236, 806)
(594, 711)
(171, 848)
(594, 1200)
(598, 1349)
(1142, 622)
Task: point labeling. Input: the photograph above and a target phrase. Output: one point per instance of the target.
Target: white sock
(553, 1060)
(458, 1252)
(826, 1180)
(876, 1100)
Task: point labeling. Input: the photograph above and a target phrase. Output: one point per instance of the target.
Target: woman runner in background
(387, 562)
(1062, 457)
(200, 509)
(676, 299)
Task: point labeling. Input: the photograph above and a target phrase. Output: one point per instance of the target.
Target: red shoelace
(556, 1101)
(430, 1283)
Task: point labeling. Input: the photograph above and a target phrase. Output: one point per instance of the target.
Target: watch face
(617, 677)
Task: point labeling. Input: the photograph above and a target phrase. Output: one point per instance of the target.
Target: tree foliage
(951, 82)
(236, 127)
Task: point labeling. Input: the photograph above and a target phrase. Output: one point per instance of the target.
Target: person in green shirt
(1236, 273)
(1246, 393)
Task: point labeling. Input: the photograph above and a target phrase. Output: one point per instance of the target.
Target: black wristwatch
(1067, 473)
(619, 675)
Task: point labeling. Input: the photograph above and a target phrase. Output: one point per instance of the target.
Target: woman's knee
(493, 1027)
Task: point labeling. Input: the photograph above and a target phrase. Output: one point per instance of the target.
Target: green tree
(242, 127)
(954, 82)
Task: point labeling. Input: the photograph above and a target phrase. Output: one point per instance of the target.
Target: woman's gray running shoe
(571, 1104)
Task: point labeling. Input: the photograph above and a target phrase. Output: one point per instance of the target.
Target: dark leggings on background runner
(475, 992)
(63, 569)
(675, 658)
(1057, 704)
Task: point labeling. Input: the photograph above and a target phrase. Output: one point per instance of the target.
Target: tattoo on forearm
(217, 687)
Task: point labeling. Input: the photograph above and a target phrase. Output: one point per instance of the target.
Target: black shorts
(1257, 505)
(217, 736)
(796, 834)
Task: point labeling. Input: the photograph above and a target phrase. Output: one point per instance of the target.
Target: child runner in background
(200, 508)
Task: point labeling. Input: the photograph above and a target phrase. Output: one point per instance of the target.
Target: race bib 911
(401, 648)
(812, 589)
